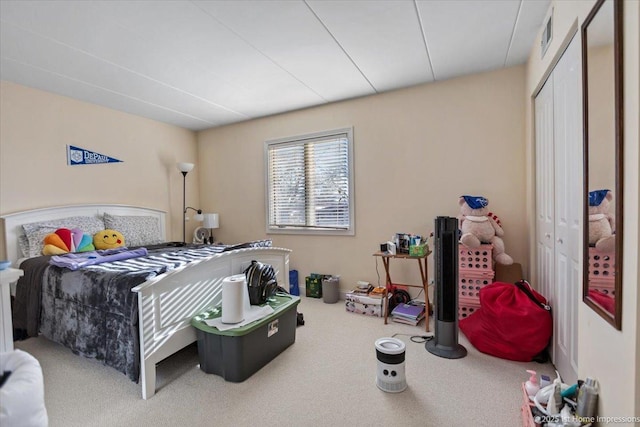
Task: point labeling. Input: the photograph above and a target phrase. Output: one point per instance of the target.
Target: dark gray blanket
(92, 310)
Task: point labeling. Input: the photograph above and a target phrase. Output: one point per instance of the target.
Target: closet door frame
(558, 132)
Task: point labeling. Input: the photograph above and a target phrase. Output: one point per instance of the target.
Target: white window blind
(309, 183)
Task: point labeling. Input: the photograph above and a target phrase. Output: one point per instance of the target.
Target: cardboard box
(366, 309)
(509, 273)
(362, 299)
(363, 304)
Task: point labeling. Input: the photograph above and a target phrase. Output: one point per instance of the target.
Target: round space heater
(390, 354)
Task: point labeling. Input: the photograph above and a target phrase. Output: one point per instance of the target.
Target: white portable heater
(390, 354)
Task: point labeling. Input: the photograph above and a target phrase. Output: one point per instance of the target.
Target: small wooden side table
(422, 263)
(7, 277)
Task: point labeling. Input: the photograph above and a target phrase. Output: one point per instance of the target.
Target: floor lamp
(185, 168)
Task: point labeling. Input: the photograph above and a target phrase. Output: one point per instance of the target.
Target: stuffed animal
(65, 240)
(601, 222)
(478, 226)
(108, 239)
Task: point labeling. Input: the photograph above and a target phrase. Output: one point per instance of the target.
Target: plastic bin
(236, 354)
(331, 289)
(476, 260)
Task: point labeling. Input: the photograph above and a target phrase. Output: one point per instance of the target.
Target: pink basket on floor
(469, 284)
(466, 307)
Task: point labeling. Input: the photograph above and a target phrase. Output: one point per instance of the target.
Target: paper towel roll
(234, 294)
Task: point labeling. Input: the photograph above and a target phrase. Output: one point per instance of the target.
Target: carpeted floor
(326, 378)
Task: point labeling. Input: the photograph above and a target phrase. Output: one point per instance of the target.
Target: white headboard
(13, 222)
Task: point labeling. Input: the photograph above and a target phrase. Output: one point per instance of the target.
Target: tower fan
(445, 341)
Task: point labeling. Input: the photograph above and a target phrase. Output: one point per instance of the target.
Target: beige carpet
(326, 378)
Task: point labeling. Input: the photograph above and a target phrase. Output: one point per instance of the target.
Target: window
(310, 183)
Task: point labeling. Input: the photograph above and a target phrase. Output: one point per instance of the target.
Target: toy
(478, 226)
(601, 222)
(64, 240)
(108, 239)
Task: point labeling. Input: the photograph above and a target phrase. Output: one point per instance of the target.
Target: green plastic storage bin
(238, 353)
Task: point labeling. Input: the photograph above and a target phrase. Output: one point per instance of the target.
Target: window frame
(299, 140)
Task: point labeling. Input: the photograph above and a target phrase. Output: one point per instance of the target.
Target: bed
(133, 313)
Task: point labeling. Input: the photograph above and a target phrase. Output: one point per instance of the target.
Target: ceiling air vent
(547, 34)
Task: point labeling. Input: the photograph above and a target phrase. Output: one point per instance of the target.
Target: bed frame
(166, 303)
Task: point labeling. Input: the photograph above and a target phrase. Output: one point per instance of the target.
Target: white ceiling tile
(200, 64)
(530, 16)
(467, 36)
(290, 35)
(62, 60)
(383, 38)
(45, 80)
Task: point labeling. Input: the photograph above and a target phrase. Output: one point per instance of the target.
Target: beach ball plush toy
(65, 240)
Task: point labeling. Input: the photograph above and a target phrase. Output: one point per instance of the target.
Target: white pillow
(22, 395)
(23, 244)
(137, 230)
(36, 231)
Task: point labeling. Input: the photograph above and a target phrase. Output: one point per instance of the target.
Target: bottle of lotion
(531, 386)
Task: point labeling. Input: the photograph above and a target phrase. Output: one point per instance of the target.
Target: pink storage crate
(525, 410)
(466, 306)
(601, 265)
(478, 260)
(605, 286)
(469, 284)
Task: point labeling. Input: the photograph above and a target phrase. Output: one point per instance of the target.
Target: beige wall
(611, 356)
(36, 126)
(601, 119)
(416, 151)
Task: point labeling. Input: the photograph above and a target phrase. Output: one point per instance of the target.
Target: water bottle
(293, 283)
(587, 399)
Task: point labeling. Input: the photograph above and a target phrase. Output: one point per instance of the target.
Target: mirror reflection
(601, 166)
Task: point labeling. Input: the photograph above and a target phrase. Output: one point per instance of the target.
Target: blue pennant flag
(80, 156)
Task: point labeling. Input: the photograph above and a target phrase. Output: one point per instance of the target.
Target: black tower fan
(445, 341)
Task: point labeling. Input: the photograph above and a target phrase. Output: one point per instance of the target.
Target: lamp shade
(211, 220)
(185, 167)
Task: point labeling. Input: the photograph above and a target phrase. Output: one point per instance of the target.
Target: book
(377, 292)
(362, 291)
(408, 311)
(406, 320)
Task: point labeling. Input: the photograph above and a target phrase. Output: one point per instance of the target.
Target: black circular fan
(399, 296)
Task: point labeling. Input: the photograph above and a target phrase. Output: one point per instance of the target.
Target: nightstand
(7, 277)
(390, 285)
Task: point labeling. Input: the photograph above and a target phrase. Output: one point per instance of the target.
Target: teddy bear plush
(478, 225)
(601, 222)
